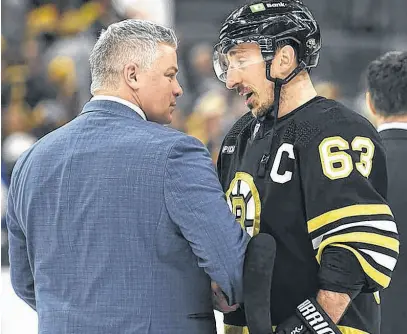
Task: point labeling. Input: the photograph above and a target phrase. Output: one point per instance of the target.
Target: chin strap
(278, 84)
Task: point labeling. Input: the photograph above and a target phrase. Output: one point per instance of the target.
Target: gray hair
(123, 42)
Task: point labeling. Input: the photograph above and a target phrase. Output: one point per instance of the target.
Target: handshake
(309, 318)
(257, 275)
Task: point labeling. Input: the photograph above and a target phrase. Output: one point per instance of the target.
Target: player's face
(247, 74)
(159, 86)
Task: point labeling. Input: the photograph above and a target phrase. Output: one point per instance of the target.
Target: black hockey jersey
(316, 180)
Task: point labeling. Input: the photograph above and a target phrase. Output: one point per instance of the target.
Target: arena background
(45, 74)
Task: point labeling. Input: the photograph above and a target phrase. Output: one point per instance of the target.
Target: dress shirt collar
(392, 125)
(122, 101)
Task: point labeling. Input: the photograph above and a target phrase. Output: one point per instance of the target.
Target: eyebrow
(175, 69)
(235, 52)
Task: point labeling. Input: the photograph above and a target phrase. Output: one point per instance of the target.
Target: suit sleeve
(21, 275)
(196, 203)
(234, 322)
(344, 177)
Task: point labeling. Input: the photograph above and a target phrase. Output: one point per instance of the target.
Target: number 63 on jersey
(337, 164)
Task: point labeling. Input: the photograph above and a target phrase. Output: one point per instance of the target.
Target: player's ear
(370, 104)
(286, 60)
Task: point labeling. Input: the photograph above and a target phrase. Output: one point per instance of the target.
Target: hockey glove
(309, 318)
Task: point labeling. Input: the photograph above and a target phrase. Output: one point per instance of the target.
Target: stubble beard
(262, 109)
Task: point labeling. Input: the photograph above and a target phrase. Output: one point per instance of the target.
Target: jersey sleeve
(344, 180)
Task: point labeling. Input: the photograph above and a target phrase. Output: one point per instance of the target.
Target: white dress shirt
(392, 125)
(122, 101)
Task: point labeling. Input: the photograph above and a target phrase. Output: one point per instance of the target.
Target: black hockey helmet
(268, 23)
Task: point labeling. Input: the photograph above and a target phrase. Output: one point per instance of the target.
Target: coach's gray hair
(123, 42)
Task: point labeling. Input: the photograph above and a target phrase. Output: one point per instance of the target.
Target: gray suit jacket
(117, 225)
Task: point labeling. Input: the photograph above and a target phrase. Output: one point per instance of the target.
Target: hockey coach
(118, 224)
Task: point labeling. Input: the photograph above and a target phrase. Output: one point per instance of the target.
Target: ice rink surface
(19, 318)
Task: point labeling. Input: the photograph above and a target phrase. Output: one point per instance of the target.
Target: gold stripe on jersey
(350, 330)
(373, 273)
(369, 238)
(365, 237)
(231, 329)
(348, 211)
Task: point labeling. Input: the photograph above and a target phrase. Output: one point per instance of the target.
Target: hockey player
(306, 170)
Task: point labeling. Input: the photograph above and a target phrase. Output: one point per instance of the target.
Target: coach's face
(157, 87)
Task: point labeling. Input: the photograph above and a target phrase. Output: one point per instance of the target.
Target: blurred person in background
(386, 98)
(200, 58)
(306, 170)
(205, 122)
(62, 74)
(118, 224)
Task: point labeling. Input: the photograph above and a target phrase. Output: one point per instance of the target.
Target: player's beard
(263, 108)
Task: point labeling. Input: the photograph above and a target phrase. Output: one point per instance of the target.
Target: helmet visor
(236, 55)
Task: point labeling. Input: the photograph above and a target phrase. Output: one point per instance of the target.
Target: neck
(391, 119)
(296, 93)
(117, 93)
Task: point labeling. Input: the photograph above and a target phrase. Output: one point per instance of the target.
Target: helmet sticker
(259, 7)
(311, 43)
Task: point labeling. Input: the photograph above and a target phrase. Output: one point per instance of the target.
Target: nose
(232, 79)
(178, 89)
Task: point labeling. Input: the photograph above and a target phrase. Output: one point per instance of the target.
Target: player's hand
(309, 318)
(219, 300)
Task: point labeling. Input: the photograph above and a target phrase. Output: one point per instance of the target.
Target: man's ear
(370, 104)
(131, 74)
(286, 61)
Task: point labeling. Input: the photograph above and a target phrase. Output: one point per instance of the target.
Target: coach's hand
(219, 300)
